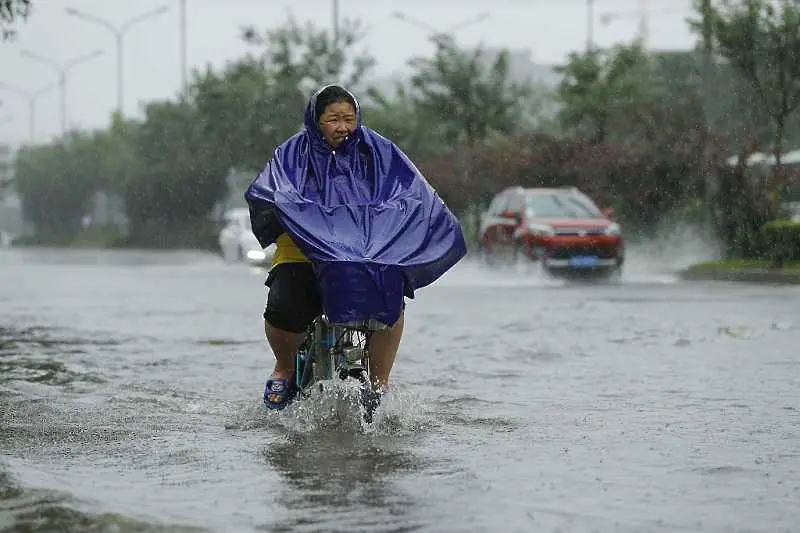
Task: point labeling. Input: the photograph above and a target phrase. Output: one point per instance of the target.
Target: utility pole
(183, 46)
(336, 25)
(708, 50)
(644, 21)
(707, 87)
(589, 25)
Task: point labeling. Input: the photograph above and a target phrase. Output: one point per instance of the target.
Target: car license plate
(583, 261)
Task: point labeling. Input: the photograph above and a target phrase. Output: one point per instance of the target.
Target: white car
(237, 242)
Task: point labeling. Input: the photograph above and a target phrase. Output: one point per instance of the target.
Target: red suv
(562, 228)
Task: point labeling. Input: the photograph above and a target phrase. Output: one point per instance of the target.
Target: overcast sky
(549, 28)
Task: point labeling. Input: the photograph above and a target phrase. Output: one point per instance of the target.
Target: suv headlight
(613, 229)
(541, 229)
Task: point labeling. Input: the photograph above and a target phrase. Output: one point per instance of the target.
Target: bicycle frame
(330, 350)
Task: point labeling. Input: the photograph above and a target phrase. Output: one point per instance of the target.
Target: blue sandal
(283, 388)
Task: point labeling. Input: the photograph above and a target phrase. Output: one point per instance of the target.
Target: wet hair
(332, 94)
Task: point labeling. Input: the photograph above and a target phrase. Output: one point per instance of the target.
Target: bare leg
(284, 345)
(383, 347)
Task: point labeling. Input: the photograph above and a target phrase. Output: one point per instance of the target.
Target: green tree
(116, 147)
(56, 183)
(469, 100)
(6, 167)
(178, 179)
(306, 57)
(758, 41)
(415, 131)
(244, 112)
(256, 102)
(733, 110)
(762, 43)
(10, 12)
(602, 89)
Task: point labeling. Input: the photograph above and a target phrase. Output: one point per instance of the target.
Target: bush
(782, 241)
(641, 183)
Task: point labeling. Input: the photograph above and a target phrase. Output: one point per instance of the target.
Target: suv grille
(565, 252)
(579, 231)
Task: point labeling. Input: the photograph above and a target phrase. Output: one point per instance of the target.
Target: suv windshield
(559, 206)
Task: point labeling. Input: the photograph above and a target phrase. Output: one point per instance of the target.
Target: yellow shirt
(286, 251)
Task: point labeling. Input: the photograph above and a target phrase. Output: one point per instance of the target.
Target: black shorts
(294, 298)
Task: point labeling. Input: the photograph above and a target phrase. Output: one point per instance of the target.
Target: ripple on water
(48, 356)
(28, 510)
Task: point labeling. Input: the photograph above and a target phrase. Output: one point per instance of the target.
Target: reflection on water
(342, 481)
(39, 355)
(130, 400)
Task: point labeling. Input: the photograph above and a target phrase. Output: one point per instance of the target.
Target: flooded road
(130, 400)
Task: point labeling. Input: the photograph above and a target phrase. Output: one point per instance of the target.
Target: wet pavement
(131, 382)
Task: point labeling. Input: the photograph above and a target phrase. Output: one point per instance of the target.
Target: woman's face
(337, 122)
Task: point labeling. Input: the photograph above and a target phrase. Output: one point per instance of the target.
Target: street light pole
(119, 34)
(707, 84)
(642, 14)
(433, 31)
(32, 97)
(183, 45)
(336, 25)
(415, 22)
(62, 75)
(468, 22)
(438, 38)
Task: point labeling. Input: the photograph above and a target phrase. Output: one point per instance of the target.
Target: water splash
(673, 249)
(337, 406)
(472, 272)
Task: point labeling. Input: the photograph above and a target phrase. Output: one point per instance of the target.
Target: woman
(356, 228)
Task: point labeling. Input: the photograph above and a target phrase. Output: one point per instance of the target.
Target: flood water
(131, 383)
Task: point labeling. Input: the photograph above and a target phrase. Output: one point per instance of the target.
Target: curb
(776, 276)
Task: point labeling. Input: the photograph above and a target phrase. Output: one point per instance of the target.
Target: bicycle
(332, 350)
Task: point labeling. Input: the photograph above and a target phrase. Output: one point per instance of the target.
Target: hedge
(782, 241)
